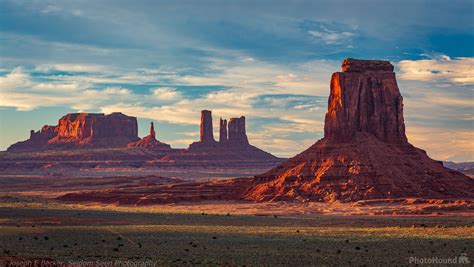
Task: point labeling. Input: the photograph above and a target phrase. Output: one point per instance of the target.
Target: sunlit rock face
(365, 98)
(364, 153)
(78, 130)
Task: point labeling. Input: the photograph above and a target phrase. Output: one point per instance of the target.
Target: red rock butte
(364, 153)
(78, 130)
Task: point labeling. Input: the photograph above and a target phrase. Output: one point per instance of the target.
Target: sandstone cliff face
(237, 132)
(223, 131)
(150, 141)
(365, 101)
(78, 130)
(364, 153)
(206, 132)
(85, 128)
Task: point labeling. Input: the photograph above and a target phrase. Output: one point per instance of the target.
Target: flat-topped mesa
(360, 65)
(223, 131)
(76, 130)
(237, 132)
(80, 126)
(206, 132)
(365, 98)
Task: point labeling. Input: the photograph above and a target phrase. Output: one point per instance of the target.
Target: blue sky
(271, 61)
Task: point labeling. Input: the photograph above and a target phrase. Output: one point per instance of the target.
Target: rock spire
(206, 132)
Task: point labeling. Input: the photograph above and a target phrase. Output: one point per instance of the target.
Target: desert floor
(73, 234)
(34, 226)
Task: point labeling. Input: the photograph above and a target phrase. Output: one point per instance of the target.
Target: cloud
(176, 115)
(20, 90)
(443, 144)
(16, 78)
(331, 37)
(116, 91)
(70, 68)
(248, 59)
(443, 69)
(166, 93)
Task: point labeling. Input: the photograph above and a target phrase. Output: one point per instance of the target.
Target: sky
(271, 61)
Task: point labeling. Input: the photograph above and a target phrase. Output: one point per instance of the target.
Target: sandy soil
(159, 238)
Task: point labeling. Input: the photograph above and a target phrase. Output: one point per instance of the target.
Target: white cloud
(70, 68)
(16, 78)
(259, 77)
(247, 59)
(443, 68)
(19, 90)
(166, 93)
(170, 114)
(57, 87)
(116, 91)
(443, 144)
(331, 37)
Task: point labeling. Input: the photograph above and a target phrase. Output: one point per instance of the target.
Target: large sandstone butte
(364, 153)
(78, 130)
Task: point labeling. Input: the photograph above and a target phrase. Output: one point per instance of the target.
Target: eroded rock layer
(364, 153)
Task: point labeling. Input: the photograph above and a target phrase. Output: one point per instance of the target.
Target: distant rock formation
(152, 130)
(206, 132)
(237, 133)
(233, 142)
(465, 167)
(116, 130)
(150, 141)
(223, 131)
(78, 130)
(364, 153)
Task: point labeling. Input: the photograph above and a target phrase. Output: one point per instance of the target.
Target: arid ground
(34, 225)
(51, 231)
